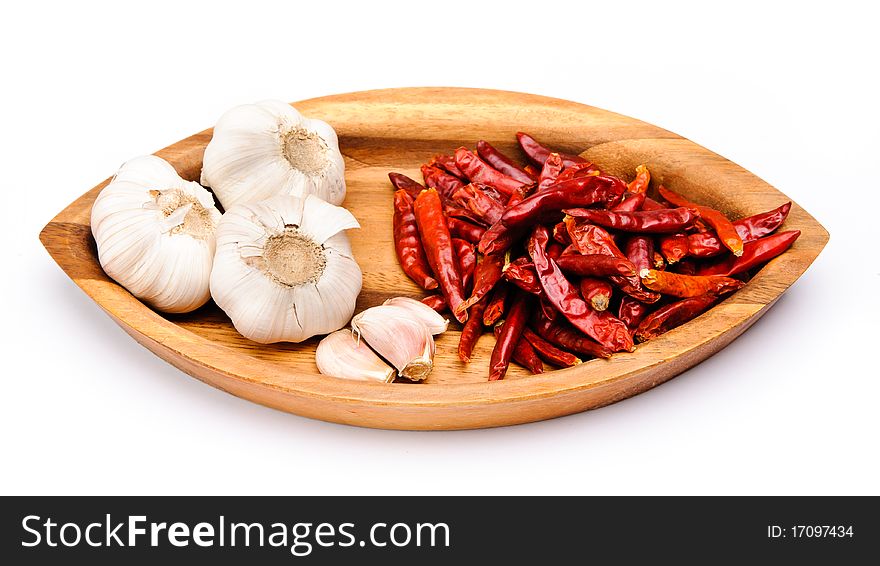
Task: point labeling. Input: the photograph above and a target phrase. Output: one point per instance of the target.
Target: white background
(789, 93)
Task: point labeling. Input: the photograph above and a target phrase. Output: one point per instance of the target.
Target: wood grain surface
(397, 130)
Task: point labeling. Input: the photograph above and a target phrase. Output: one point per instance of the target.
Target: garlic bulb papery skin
(340, 354)
(405, 342)
(435, 321)
(267, 149)
(284, 270)
(155, 234)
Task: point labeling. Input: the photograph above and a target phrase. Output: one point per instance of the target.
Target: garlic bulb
(420, 311)
(155, 234)
(284, 270)
(267, 149)
(405, 342)
(340, 354)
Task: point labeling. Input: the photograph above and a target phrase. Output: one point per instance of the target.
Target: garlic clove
(435, 322)
(403, 341)
(275, 280)
(340, 354)
(266, 149)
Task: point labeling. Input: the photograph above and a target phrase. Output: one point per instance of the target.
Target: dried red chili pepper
(548, 352)
(716, 219)
(471, 331)
(754, 253)
(496, 305)
(465, 230)
(503, 163)
(408, 244)
(539, 154)
(480, 202)
(402, 182)
(651, 204)
(533, 172)
(659, 262)
(486, 275)
(447, 163)
(478, 171)
(640, 251)
(631, 311)
(436, 302)
(597, 292)
(439, 249)
(436, 178)
(631, 203)
(596, 265)
(685, 267)
(560, 233)
(524, 354)
(643, 221)
(669, 316)
(564, 336)
(511, 333)
(674, 247)
(467, 262)
(679, 285)
(521, 272)
(550, 172)
(455, 210)
(639, 185)
(603, 327)
(707, 244)
(578, 192)
(578, 170)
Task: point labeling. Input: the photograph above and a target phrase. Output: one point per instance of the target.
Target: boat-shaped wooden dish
(397, 130)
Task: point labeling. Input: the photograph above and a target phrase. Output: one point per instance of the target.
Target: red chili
(480, 202)
(680, 285)
(532, 171)
(640, 184)
(486, 274)
(550, 172)
(685, 267)
(560, 233)
(632, 203)
(640, 251)
(521, 272)
(503, 163)
(447, 163)
(407, 243)
(539, 154)
(436, 178)
(723, 226)
(562, 335)
(669, 316)
(455, 210)
(439, 249)
(578, 192)
(511, 333)
(497, 304)
(631, 311)
(403, 182)
(644, 221)
(674, 247)
(554, 249)
(651, 204)
(478, 171)
(707, 244)
(436, 302)
(754, 253)
(467, 262)
(465, 230)
(597, 292)
(548, 352)
(659, 262)
(524, 354)
(596, 265)
(603, 327)
(471, 331)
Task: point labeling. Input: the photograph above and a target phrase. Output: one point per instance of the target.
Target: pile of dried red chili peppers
(563, 260)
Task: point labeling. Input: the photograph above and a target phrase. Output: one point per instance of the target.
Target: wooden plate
(397, 130)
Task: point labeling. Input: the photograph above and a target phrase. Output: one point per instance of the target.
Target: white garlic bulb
(155, 234)
(340, 354)
(284, 270)
(267, 149)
